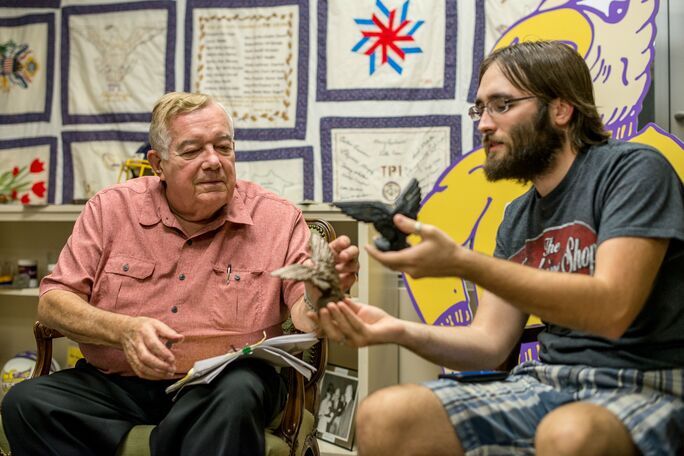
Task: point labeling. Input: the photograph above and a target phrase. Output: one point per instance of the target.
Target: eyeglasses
(494, 106)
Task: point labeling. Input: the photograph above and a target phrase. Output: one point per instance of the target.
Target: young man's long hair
(550, 70)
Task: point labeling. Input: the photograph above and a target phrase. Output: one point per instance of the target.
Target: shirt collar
(237, 210)
(155, 207)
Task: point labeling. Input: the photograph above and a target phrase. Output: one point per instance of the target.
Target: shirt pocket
(238, 302)
(125, 276)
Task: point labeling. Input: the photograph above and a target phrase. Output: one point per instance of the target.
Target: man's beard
(531, 150)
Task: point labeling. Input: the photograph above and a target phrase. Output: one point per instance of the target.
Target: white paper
(278, 351)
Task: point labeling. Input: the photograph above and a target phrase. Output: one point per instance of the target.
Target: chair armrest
(44, 336)
(302, 394)
(293, 412)
(311, 386)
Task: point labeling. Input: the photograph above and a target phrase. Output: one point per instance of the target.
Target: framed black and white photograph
(337, 407)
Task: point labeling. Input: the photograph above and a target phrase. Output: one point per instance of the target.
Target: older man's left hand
(346, 261)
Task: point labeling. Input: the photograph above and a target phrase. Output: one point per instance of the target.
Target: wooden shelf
(28, 292)
(48, 213)
(70, 212)
(328, 449)
(324, 211)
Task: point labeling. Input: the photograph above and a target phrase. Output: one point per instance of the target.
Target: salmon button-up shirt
(128, 254)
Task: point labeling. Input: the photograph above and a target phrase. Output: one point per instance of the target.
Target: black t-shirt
(612, 190)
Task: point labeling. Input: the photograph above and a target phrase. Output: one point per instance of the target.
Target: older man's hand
(346, 261)
(146, 342)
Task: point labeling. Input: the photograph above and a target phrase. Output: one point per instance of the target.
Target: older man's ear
(154, 157)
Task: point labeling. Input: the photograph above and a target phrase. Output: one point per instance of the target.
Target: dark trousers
(82, 411)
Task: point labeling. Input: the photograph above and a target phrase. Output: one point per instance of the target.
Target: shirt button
(181, 277)
(169, 344)
(174, 309)
(189, 241)
(125, 267)
(237, 277)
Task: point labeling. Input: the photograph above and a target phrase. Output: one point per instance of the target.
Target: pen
(230, 268)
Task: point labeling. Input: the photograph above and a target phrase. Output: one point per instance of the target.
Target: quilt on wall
(374, 158)
(252, 55)
(27, 74)
(116, 60)
(27, 170)
(87, 72)
(93, 159)
(377, 50)
(287, 171)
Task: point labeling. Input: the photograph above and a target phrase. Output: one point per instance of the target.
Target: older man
(595, 248)
(158, 273)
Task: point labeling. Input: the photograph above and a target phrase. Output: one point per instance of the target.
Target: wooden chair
(292, 433)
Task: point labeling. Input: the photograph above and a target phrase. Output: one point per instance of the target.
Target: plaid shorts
(500, 418)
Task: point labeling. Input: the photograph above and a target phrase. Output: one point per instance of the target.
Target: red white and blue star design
(387, 38)
(18, 65)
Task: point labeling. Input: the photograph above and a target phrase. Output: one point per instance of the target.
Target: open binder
(279, 351)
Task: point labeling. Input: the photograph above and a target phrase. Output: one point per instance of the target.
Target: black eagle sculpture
(381, 214)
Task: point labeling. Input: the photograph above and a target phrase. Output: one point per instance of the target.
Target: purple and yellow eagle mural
(616, 39)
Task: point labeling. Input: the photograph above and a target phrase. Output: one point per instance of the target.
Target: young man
(595, 248)
(158, 273)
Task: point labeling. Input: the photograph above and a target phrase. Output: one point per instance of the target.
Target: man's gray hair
(172, 105)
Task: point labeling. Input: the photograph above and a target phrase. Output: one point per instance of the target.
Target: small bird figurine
(381, 214)
(322, 274)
